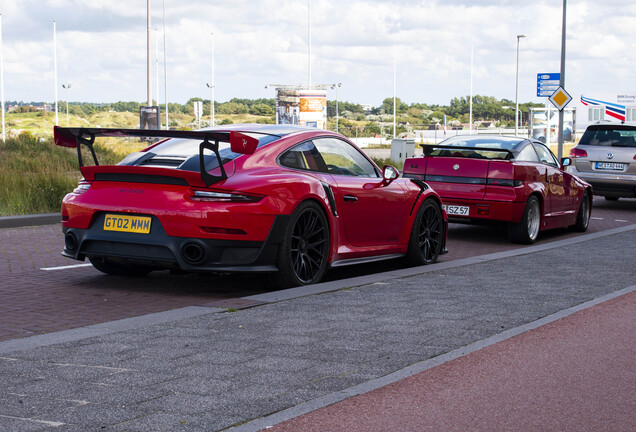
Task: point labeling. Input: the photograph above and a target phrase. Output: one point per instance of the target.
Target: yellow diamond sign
(560, 98)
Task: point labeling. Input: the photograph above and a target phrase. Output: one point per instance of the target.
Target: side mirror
(566, 162)
(241, 143)
(390, 173)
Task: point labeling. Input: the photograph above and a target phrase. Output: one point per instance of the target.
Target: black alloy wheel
(427, 234)
(303, 256)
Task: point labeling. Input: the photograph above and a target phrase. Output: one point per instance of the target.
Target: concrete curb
(29, 220)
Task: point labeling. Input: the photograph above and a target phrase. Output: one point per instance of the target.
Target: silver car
(605, 157)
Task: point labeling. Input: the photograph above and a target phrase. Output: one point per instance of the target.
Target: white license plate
(610, 166)
(456, 210)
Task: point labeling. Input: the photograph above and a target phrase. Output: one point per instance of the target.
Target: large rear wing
(239, 142)
(461, 151)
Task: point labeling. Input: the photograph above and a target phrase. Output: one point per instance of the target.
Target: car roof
(612, 126)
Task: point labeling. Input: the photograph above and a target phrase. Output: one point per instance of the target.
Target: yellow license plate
(134, 224)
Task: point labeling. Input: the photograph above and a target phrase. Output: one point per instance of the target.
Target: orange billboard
(302, 107)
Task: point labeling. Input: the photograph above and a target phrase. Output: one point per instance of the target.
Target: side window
(545, 155)
(527, 154)
(304, 156)
(342, 158)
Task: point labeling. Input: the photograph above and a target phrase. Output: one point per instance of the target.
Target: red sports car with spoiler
(283, 200)
(502, 179)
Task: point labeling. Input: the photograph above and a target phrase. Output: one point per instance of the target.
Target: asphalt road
(574, 374)
(43, 292)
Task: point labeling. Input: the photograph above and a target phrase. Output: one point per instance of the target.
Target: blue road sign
(547, 84)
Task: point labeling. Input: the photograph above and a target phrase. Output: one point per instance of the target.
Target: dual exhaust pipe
(192, 252)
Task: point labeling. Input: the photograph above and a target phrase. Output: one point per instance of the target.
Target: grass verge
(35, 174)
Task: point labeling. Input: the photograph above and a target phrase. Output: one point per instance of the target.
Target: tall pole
(212, 85)
(517, 88)
(148, 58)
(2, 81)
(337, 118)
(212, 111)
(562, 83)
(157, 68)
(335, 86)
(470, 109)
(309, 41)
(394, 96)
(55, 71)
(165, 66)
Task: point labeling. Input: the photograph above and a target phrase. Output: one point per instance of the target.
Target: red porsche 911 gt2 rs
(284, 200)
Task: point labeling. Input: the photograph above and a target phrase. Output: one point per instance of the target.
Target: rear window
(485, 147)
(183, 153)
(499, 142)
(609, 136)
(190, 147)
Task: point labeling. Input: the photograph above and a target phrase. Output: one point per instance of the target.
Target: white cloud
(102, 47)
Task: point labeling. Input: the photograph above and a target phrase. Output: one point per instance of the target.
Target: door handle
(350, 198)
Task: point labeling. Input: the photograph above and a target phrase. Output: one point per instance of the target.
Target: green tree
(387, 106)
(261, 109)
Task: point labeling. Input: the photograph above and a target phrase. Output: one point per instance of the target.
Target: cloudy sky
(101, 48)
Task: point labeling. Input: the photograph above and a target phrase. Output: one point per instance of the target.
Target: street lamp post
(212, 120)
(55, 71)
(562, 82)
(148, 57)
(211, 85)
(67, 87)
(2, 82)
(517, 88)
(335, 86)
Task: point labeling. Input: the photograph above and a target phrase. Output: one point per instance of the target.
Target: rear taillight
(214, 196)
(81, 188)
(577, 153)
(635, 157)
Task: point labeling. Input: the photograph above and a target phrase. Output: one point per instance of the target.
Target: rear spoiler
(239, 142)
(429, 149)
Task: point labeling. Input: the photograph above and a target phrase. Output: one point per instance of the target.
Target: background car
(605, 157)
(502, 179)
(278, 199)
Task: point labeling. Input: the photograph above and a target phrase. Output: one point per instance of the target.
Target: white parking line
(596, 218)
(65, 267)
(619, 220)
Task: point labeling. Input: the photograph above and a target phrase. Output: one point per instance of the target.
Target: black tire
(427, 234)
(527, 231)
(303, 255)
(117, 268)
(583, 216)
(611, 198)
